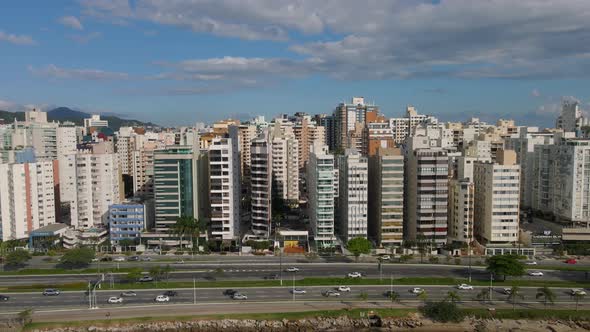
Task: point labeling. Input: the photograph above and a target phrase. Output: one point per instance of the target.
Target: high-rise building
(345, 117)
(386, 197)
(426, 195)
(285, 164)
(404, 127)
(143, 170)
(461, 192)
(378, 135)
(224, 187)
(496, 199)
(261, 184)
(28, 198)
(95, 121)
(353, 170)
(571, 118)
(321, 182)
(125, 145)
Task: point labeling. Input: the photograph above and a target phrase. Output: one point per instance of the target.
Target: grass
(299, 283)
(529, 314)
(352, 313)
(25, 272)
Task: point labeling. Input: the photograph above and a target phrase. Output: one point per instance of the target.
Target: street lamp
(293, 291)
(469, 254)
(194, 290)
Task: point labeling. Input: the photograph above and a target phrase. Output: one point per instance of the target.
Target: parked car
(128, 294)
(115, 299)
(571, 261)
(162, 298)
(119, 259)
(229, 292)
(95, 259)
(536, 273)
(464, 287)
(578, 291)
(170, 293)
(292, 269)
(146, 279)
(417, 290)
(106, 259)
(298, 291)
(4, 298)
(51, 292)
(354, 275)
(343, 289)
(331, 293)
(133, 258)
(239, 296)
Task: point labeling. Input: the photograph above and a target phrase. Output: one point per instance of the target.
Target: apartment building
(345, 117)
(127, 221)
(142, 170)
(386, 197)
(352, 209)
(461, 207)
(261, 184)
(285, 164)
(321, 187)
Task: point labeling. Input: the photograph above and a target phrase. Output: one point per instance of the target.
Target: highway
(257, 271)
(78, 299)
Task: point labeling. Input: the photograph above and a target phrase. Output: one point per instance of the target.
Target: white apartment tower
(321, 179)
(353, 170)
(461, 192)
(386, 197)
(285, 163)
(260, 186)
(497, 197)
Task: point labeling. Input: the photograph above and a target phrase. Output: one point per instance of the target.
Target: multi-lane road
(257, 271)
(78, 299)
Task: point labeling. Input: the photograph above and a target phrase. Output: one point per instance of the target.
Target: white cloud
(6, 105)
(71, 22)
(85, 38)
(535, 93)
(16, 39)
(53, 71)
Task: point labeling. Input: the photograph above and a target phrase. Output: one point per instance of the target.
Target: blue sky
(179, 62)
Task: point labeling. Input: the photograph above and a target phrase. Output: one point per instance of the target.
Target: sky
(177, 62)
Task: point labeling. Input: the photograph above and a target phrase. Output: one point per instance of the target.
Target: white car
(536, 273)
(507, 291)
(355, 275)
(119, 259)
(292, 269)
(385, 257)
(531, 263)
(239, 296)
(417, 290)
(343, 289)
(298, 291)
(330, 293)
(162, 298)
(465, 287)
(578, 291)
(115, 299)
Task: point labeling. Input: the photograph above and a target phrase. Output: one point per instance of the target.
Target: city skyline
(173, 63)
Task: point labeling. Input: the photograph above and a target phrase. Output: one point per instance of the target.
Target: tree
(483, 295)
(577, 297)
(17, 258)
(133, 275)
(156, 272)
(423, 296)
(364, 296)
(443, 311)
(505, 265)
(393, 296)
(421, 243)
(453, 296)
(182, 226)
(358, 246)
(547, 295)
(77, 258)
(515, 295)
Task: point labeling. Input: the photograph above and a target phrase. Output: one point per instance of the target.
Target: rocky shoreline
(412, 322)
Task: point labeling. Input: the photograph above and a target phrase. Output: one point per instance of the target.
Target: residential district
(301, 183)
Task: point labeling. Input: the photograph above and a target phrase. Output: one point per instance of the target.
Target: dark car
(106, 259)
(170, 293)
(229, 292)
(271, 277)
(4, 298)
(133, 258)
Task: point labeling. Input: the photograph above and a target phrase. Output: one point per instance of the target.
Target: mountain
(62, 114)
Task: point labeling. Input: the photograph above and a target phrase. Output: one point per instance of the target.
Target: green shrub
(443, 311)
(433, 259)
(457, 261)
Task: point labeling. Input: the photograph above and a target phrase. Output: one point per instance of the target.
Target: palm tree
(547, 295)
(453, 296)
(514, 295)
(483, 295)
(180, 228)
(577, 297)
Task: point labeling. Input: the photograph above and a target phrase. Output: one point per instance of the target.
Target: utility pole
(194, 290)
(281, 264)
(491, 286)
(89, 297)
(469, 253)
(293, 287)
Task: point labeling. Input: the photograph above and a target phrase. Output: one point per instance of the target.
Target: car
(354, 275)
(571, 261)
(343, 289)
(128, 294)
(4, 298)
(170, 293)
(531, 263)
(106, 259)
(239, 296)
(115, 299)
(298, 291)
(578, 291)
(330, 293)
(507, 291)
(536, 273)
(94, 259)
(133, 259)
(162, 298)
(417, 290)
(465, 287)
(119, 259)
(146, 279)
(292, 269)
(385, 257)
(229, 292)
(51, 292)
(271, 277)
(146, 258)
(180, 261)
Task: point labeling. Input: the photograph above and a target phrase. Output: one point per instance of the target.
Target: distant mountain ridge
(63, 114)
